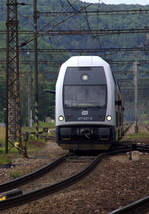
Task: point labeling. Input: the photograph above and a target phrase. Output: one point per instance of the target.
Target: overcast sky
(141, 2)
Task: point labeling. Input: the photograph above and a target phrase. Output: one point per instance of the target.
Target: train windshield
(78, 96)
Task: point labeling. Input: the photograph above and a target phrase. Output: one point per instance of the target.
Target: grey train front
(89, 111)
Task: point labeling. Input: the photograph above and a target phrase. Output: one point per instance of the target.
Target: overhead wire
(45, 25)
(54, 26)
(97, 37)
(83, 32)
(53, 38)
(74, 9)
(103, 12)
(61, 3)
(47, 62)
(89, 28)
(89, 50)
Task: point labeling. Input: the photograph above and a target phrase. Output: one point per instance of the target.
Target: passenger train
(89, 109)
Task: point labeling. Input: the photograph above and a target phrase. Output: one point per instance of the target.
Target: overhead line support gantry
(13, 114)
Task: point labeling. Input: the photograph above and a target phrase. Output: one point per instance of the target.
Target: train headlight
(109, 117)
(61, 118)
(84, 77)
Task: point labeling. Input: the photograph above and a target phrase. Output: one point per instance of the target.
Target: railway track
(37, 194)
(140, 206)
(40, 193)
(32, 176)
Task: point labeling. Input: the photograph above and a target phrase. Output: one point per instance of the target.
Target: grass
(4, 159)
(33, 145)
(2, 139)
(138, 135)
(2, 132)
(41, 126)
(146, 122)
(15, 174)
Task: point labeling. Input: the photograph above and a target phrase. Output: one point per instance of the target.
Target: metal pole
(36, 66)
(13, 115)
(30, 99)
(136, 95)
(18, 104)
(7, 82)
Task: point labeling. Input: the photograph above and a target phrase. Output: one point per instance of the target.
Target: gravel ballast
(115, 182)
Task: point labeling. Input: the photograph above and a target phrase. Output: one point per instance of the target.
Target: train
(89, 107)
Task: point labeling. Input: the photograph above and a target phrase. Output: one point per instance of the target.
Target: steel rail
(32, 176)
(130, 207)
(37, 194)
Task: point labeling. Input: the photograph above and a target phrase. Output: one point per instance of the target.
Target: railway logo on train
(89, 108)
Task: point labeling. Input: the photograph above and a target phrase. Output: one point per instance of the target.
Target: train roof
(85, 61)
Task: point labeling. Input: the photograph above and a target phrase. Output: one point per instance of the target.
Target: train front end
(85, 116)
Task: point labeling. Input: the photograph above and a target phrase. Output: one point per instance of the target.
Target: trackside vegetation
(48, 73)
(33, 144)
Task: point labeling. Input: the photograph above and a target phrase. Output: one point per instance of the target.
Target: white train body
(89, 110)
